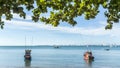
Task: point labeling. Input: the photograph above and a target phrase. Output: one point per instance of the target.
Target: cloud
(21, 24)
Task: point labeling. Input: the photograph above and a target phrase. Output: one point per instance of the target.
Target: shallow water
(63, 57)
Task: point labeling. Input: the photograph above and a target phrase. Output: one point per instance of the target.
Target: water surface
(63, 57)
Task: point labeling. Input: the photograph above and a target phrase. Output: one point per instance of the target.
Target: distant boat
(56, 46)
(107, 49)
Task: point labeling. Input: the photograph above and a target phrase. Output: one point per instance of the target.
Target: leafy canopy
(62, 10)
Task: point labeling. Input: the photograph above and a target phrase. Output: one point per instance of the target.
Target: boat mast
(25, 42)
(32, 41)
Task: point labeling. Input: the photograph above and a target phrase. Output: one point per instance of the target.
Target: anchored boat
(88, 56)
(27, 54)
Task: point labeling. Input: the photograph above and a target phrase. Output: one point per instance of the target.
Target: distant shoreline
(57, 45)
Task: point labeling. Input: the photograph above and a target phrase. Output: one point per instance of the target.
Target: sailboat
(27, 55)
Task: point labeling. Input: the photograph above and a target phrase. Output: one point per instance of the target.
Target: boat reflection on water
(27, 63)
(89, 63)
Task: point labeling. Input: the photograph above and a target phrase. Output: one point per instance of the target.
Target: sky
(86, 32)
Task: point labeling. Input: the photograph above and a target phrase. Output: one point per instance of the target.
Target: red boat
(88, 56)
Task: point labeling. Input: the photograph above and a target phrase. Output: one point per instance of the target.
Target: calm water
(63, 57)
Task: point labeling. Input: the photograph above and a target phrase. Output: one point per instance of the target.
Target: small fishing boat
(88, 56)
(27, 55)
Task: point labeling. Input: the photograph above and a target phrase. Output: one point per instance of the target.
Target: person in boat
(27, 54)
(88, 55)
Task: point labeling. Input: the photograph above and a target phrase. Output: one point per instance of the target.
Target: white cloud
(76, 30)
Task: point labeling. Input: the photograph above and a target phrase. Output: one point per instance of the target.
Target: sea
(61, 57)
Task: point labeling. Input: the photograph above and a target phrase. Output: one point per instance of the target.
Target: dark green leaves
(60, 10)
(1, 24)
(109, 26)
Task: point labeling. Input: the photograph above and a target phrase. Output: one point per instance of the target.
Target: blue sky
(86, 32)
